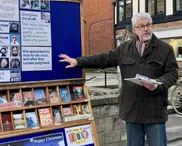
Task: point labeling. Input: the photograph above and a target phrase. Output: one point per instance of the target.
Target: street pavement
(174, 124)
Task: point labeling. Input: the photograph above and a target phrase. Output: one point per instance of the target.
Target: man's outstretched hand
(65, 58)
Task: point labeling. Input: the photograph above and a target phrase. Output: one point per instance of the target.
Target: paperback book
(6, 122)
(40, 97)
(28, 98)
(16, 97)
(77, 110)
(57, 116)
(78, 93)
(19, 122)
(67, 111)
(45, 117)
(3, 99)
(31, 120)
(64, 95)
(85, 109)
(53, 96)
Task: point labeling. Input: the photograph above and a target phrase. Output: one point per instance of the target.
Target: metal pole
(105, 79)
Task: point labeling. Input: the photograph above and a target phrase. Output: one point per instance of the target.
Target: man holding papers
(143, 107)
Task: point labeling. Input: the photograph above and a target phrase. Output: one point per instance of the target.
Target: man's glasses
(142, 27)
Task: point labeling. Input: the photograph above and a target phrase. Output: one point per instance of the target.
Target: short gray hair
(141, 15)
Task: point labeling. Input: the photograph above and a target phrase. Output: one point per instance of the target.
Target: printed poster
(79, 135)
(36, 58)
(9, 10)
(35, 28)
(48, 140)
(4, 75)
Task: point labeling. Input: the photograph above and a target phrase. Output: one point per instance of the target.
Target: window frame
(155, 8)
(175, 11)
(124, 20)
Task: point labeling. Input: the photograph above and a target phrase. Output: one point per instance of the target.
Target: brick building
(166, 14)
(99, 26)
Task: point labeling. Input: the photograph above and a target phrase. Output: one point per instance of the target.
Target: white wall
(135, 7)
(169, 7)
(142, 5)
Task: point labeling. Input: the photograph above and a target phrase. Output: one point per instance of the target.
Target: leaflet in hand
(139, 79)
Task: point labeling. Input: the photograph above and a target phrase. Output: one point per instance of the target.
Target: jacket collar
(149, 49)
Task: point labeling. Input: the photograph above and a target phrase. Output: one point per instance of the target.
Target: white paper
(4, 27)
(36, 58)
(35, 29)
(4, 76)
(9, 10)
(4, 39)
(139, 81)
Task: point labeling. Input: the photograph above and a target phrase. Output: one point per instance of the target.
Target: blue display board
(39, 33)
(73, 136)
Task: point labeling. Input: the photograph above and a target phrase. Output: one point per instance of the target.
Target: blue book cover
(3, 99)
(64, 95)
(40, 96)
(31, 120)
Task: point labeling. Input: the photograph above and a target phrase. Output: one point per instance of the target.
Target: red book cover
(28, 98)
(7, 122)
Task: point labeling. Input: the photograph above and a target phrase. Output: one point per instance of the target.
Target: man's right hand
(65, 58)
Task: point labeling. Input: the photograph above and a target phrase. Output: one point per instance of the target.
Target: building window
(124, 10)
(177, 5)
(155, 7)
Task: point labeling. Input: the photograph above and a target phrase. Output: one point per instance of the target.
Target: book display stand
(41, 102)
(33, 108)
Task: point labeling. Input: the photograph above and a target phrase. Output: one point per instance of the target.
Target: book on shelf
(40, 97)
(64, 95)
(78, 93)
(45, 116)
(19, 122)
(77, 110)
(6, 122)
(8, 105)
(57, 116)
(67, 111)
(31, 120)
(85, 109)
(3, 99)
(28, 98)
(16, 97)
(53, 97)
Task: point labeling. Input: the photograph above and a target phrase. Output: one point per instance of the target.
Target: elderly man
(144, 108)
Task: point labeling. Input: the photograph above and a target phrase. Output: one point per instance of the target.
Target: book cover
(28, 98)
(6, 122)
(85, 138)
(3, 98)
(40, 97)
(16, 97)
(77, 110)
(53, 97)
(8, 105)
(19, 122)
(78, 93)
(64, 95)
(85, 109)
(45, 117)
(57, 116)
(67, 111)
(31, 120)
